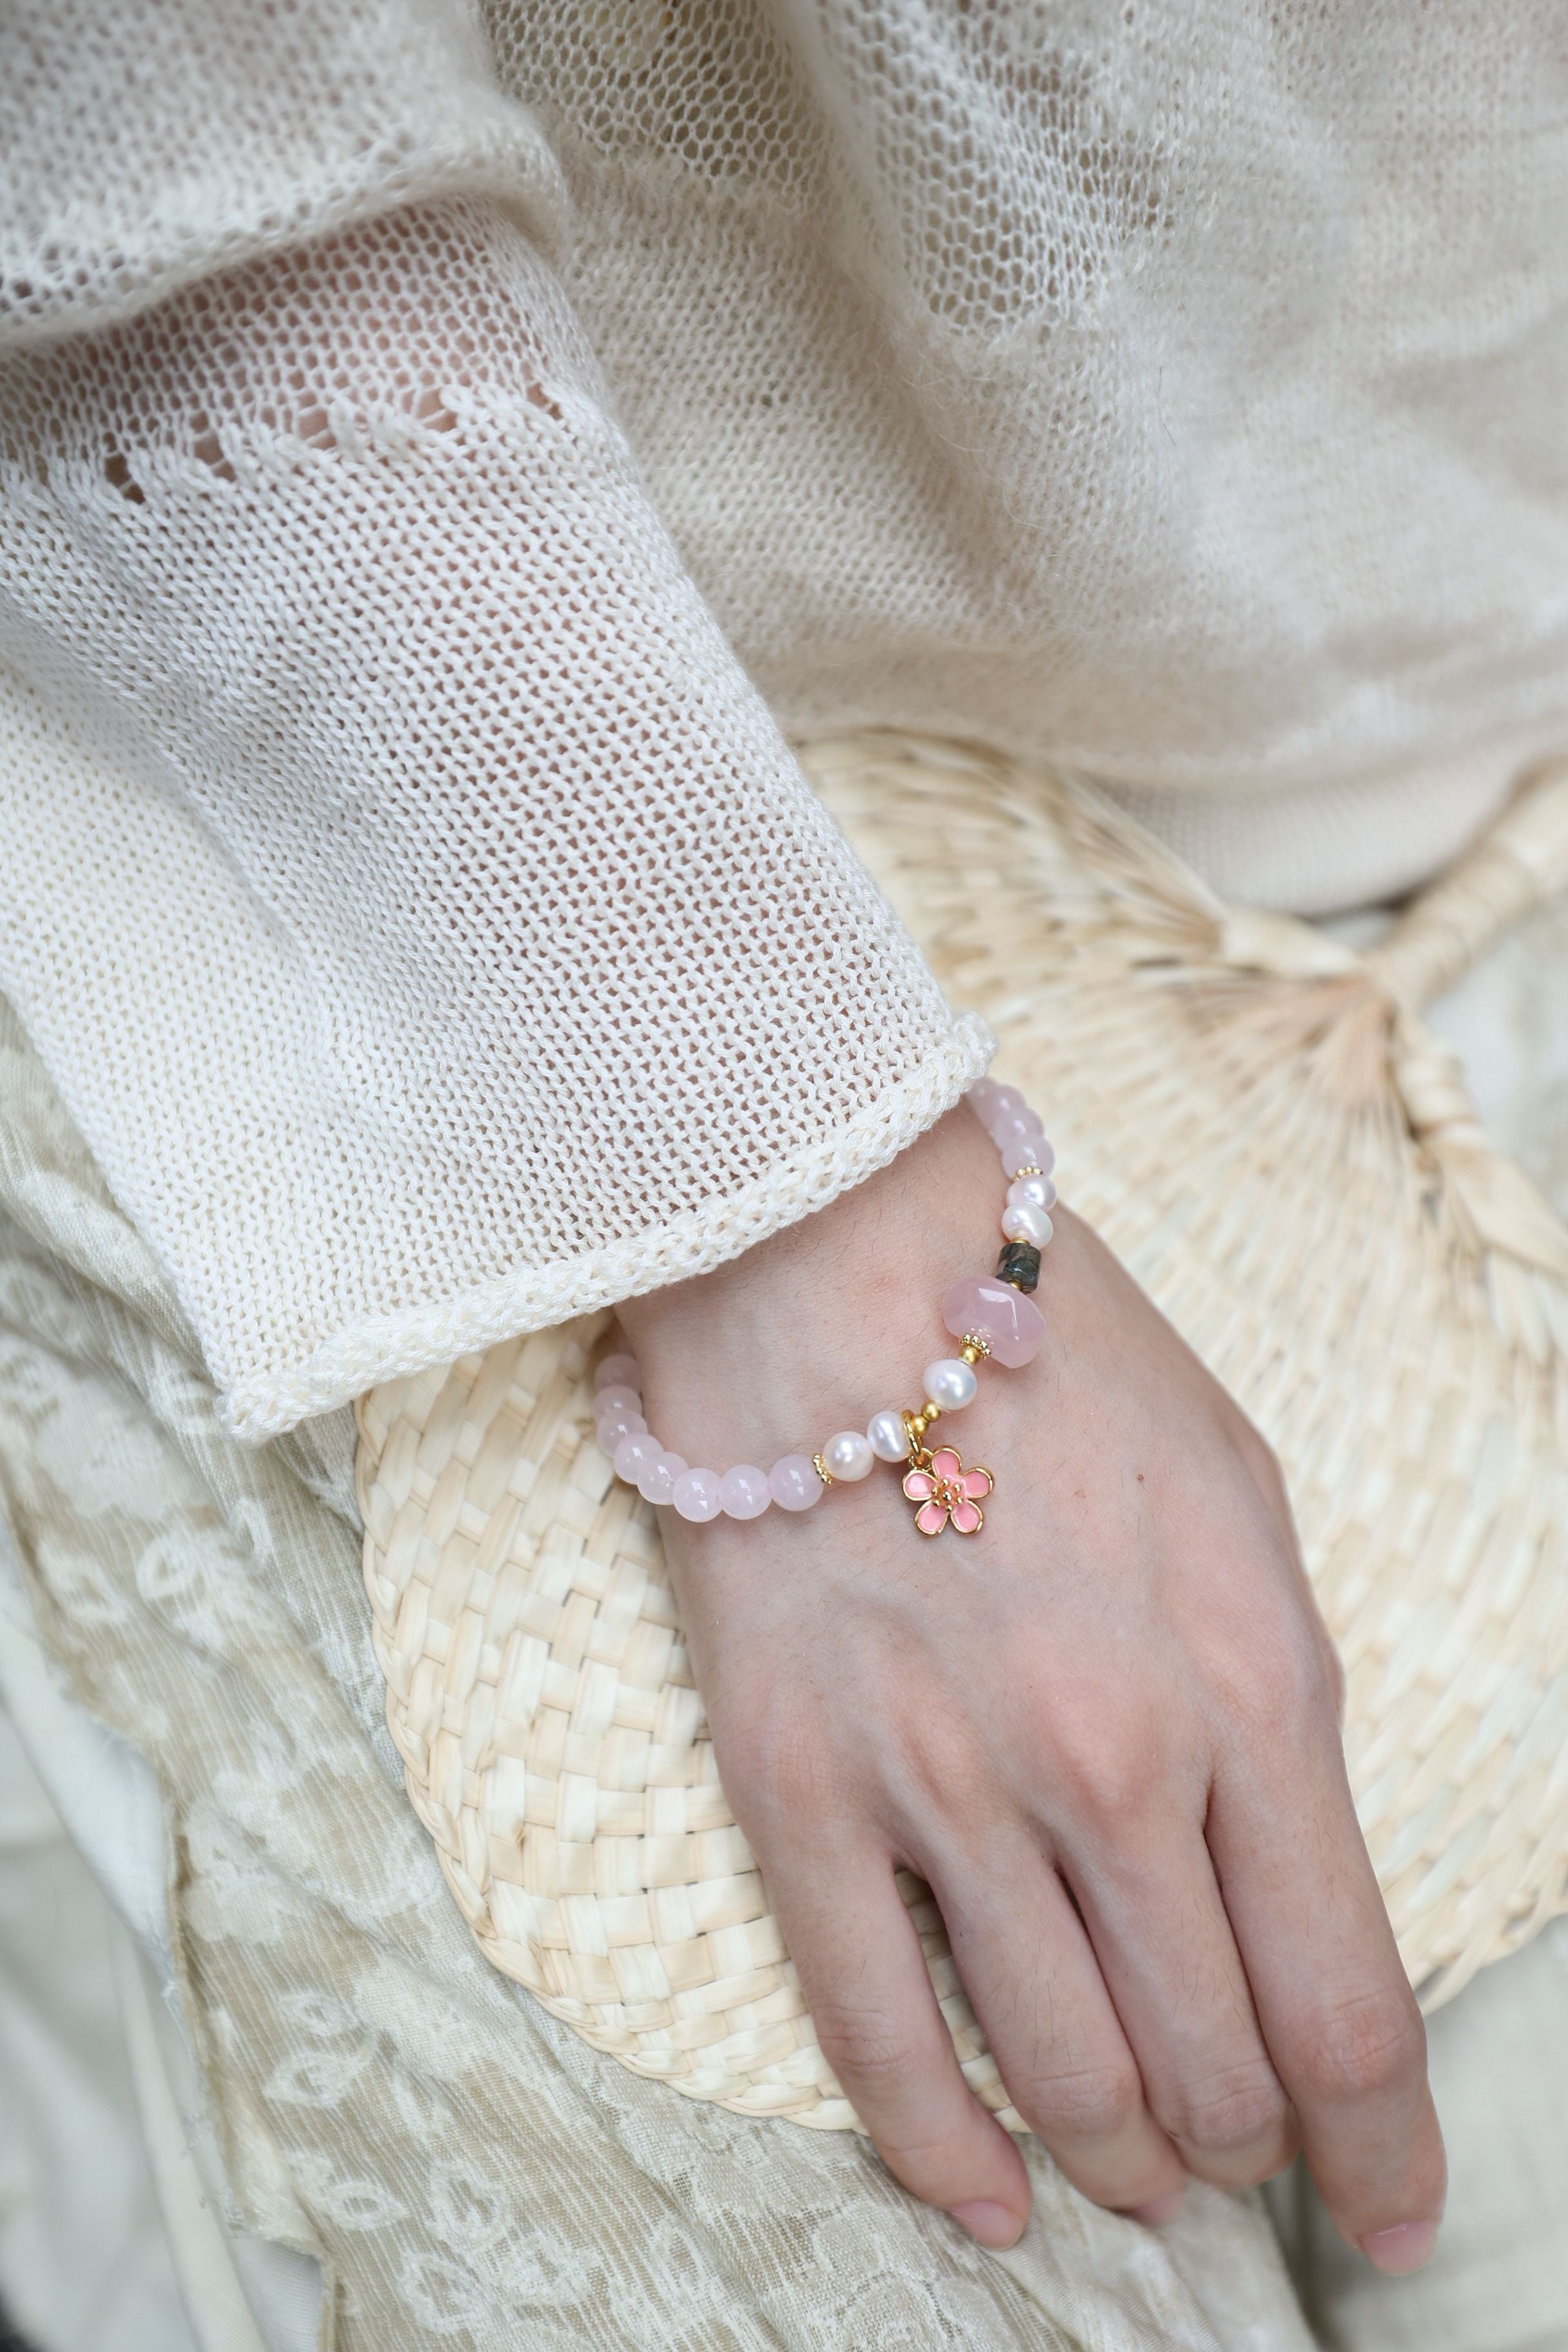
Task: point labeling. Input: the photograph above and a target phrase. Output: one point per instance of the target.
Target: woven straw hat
(1256, 1120)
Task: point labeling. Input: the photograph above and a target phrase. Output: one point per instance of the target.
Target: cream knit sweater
(439, 456)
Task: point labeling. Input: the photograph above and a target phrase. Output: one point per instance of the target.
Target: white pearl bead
(1024, 1224)
(950, 1382)
(887, 1437)
(1032, 1193)
(848, 1456)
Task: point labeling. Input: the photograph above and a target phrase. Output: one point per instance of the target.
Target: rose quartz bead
(617, 1368)
(696, 1495)
(1037, 1153)
(743, 1491)
(1032, 1193)
(982, 1100)
(1006, 1103)
(793, 1482)
(1015, 1128)
(622, 1423)
(618, 1393)
(995, 1310)
(655, 1479)
(634, 1453)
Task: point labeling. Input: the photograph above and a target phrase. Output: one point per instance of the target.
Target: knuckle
(1279, 1676)
(1091, 2103)
(865, 2048)
(1365, 2048)
(1226, 2113)
(1105, 1766)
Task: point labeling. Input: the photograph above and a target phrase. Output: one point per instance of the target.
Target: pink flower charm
(948, 1491)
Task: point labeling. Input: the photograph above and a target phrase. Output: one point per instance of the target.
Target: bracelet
(994, 1317)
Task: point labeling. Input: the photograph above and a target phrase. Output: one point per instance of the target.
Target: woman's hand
(1105, 1731)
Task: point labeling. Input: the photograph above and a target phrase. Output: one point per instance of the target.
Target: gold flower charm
(946, 1491)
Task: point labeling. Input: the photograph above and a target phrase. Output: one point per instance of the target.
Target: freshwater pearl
(793, 1482)
(696, 1495)
(848, 1456)
(617, 1368)
(622, 1423)
(887, 1436)
(656, 1480)
(743, 1491)
(632, 1455)
(996, 1311)
(1023, 1222)
(1032, 1193)
(618, 1393)
(950, 1382)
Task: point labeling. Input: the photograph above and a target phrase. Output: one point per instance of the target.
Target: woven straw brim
(1259, 1125)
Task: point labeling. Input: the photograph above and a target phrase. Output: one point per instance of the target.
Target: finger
(1038, 1991)
(863, 1973)
(1336, 2009)
(1152, 1908)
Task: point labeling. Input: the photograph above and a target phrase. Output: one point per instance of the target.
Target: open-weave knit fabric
(440, 447)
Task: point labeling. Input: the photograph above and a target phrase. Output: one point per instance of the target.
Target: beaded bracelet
(994, 1317)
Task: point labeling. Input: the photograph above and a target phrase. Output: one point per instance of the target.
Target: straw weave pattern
(1256, 1122)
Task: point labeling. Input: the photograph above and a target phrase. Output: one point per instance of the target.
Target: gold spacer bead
(929, 1412)
(914, 1423)
(975, 1348)
(822, 1470)
(1019, 1173)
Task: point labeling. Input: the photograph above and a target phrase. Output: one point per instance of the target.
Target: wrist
(828, 1321)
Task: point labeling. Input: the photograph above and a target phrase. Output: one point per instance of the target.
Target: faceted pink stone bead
(622, 1423)
(696, 1495)
(617, 1368)
(655, 1479)
(634, 1454)
(616, 1392)
(743, 1492)
(1012, 1322)
(793, 1482)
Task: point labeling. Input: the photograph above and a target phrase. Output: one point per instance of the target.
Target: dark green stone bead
(1019, 1264)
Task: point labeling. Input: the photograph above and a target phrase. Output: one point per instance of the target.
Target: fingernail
(1159, 2209)
(992, 2225)
(1402, 2249)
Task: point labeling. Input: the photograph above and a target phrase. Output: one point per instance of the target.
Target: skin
(1105, 1730)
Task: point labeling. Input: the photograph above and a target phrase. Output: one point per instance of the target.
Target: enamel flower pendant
(946, 1491)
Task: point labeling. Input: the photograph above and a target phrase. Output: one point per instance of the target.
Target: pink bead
(743, 1491)
(995, 1310)
(632, 1455)
(1006, 1101)
(982, 1101)
(1035, 1153)
(1021, 1127)
(656, 1480)
(618, 1368)
(793, 1482)
(618, 1393)
(696, 1497)
(622, 1423)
